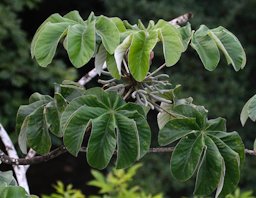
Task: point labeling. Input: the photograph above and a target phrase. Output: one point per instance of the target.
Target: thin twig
(157, 70)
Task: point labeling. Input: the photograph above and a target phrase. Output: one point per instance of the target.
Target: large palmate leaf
(205, 147)
(113, 126)
(79, 37)
(207, 42)
(172, 42)
(38, 121)
(139, 54)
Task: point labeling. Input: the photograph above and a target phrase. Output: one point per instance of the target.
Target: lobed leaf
(210, 169)
(230, 46)
(110, 117)
(206, 48)
(80, 43)
(112, 66)
(108, 33)
(46, 44)
(186, 157)
(172, 42)
(176, 129)
(139, 54)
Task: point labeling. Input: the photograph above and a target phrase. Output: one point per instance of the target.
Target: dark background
(223, 92)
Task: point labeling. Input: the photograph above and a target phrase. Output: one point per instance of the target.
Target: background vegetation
(223, 91)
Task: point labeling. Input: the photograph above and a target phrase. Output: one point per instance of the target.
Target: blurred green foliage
(239, 194)
(116, 184)
(19, 75)
(63, 191)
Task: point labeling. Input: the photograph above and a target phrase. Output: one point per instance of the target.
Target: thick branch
(34, 160)
(61, 150)
(20, 171)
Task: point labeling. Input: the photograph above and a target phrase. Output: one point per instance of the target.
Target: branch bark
(61, 150)
(20, 171)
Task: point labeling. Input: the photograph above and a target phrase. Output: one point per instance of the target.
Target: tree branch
(61, 150)
(20, 171)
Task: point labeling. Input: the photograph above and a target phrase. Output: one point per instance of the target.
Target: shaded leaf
(102, 141)
(186, 157)
(209, 169)
(176, 129)
(232, 166)
(36, 129)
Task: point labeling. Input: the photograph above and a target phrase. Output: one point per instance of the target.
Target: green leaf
(54, 18)
(37, 96)
(230, 46)
(119, 24)
(209, 169)
(245, 113)
(234, 141)
(142, 127)
(252, 109)
(53, 111)
(102, 141)
(6, 179)
(121, 50)
(112, 67)
(176, 129)
(186, 34)
(47, 41)
(70, 90)
(108, 33)
(81, 43)
(23, 112)
(186, 157)
(232, 166)
(192, 111)
(206, 48)
(75, 120)
(36, 129)
(128, 149)
(139, 53)
(217, 124)
(172, 42)
(100, 59)
(110, 117)
(74, 16)
(13, 191)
